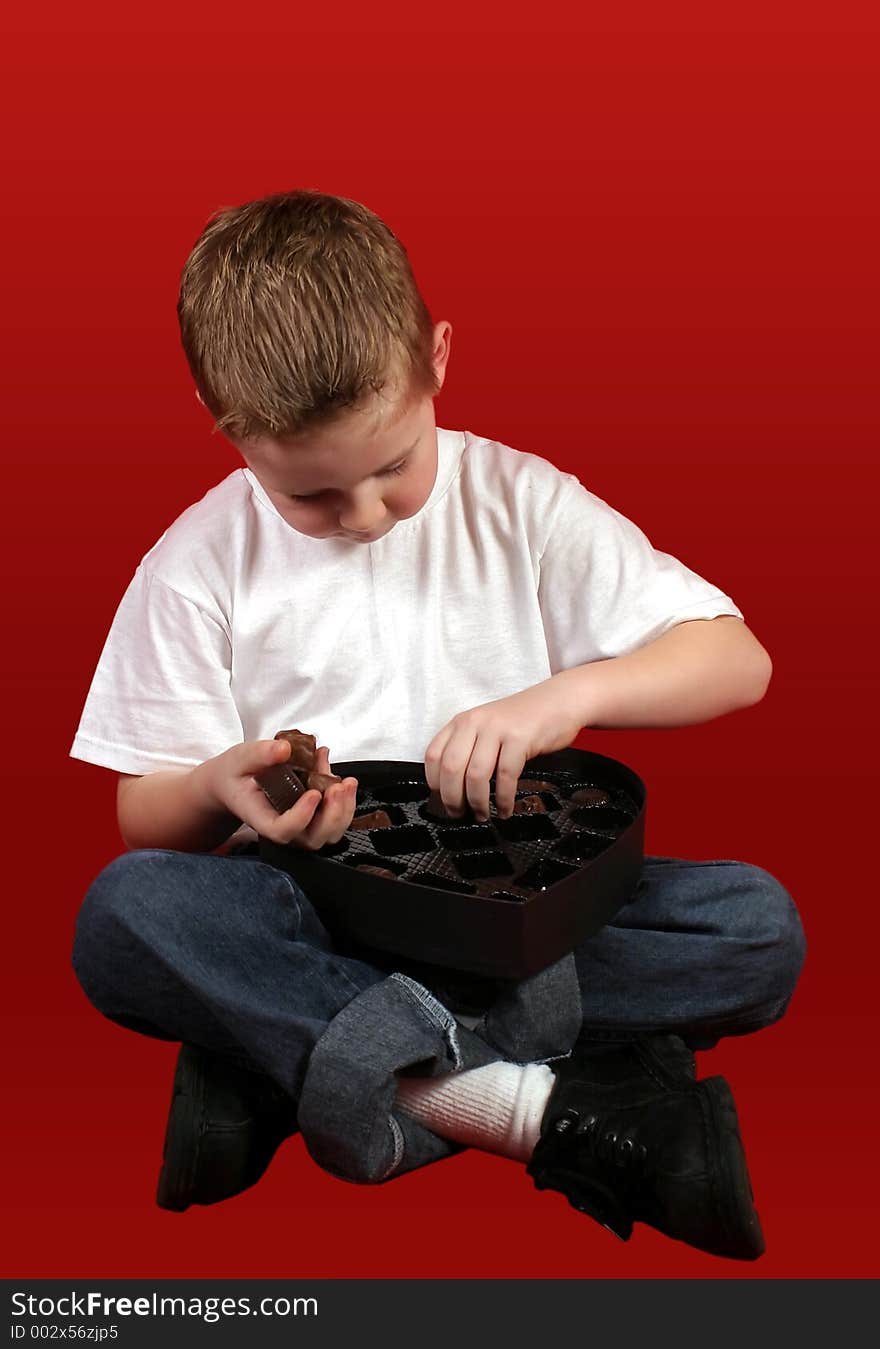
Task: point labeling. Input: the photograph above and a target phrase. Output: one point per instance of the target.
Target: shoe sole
(744, 1237)
(180, 1151)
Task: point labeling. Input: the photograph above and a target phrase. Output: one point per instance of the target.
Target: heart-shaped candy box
(504, 898)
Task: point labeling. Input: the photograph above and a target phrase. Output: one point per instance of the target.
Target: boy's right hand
(313, 821)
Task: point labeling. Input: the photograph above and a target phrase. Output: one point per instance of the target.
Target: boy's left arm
(698, 670)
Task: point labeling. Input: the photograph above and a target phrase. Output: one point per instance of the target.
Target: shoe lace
(609, 1187)
(603, 1140)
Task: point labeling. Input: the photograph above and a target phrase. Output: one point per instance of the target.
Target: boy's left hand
(496, 739)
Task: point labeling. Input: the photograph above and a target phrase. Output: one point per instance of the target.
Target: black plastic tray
(542, 896)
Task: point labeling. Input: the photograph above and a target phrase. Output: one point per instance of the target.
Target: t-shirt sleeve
(604, 590)
(160, 695)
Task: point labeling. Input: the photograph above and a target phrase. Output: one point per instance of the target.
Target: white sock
(498, 1107)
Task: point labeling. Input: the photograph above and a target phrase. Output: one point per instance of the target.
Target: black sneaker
(665, 1060)
(629, 1136)
(224, 1127)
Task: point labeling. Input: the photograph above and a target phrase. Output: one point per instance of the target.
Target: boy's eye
(388, 473)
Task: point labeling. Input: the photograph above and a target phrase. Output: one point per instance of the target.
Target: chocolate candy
(377, 871)
(285, 783)
(303, 752)
(532, 785)
(529, 805)
(590, 796)
(377, 819)
(281, 785)
(303, 748)
(437, 810)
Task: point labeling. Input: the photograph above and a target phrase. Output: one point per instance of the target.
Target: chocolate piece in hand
(281, 785)
(284, 783)
(303, 748)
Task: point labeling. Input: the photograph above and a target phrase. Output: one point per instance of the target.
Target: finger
(248, 800)
(453, 766)
(511, 762)
(334, 813)
(276, 752)
(434, 755)
(253, 756)
(478, 772)
(284, 826)
(324, 821)
(251, 760)
(331, 821)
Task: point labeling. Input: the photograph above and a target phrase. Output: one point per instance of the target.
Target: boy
(405, 592)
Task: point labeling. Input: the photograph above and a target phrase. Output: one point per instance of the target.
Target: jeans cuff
(538, 1019)
(346, 1112)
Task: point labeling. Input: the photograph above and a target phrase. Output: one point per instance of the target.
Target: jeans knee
(112, 892)
(103, 917)
(776, 931)
(100, 911)
(156, 901)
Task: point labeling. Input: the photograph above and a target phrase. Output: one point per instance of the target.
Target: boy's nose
(363, 516)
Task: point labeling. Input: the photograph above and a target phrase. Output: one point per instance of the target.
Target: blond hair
(296, 307)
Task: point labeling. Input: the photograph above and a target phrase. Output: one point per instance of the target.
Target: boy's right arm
(197, 809)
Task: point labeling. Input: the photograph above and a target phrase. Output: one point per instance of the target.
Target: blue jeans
(228, 953)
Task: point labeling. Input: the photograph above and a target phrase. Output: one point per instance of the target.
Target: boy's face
(356, 479)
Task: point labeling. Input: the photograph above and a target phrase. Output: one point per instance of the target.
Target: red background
(654, 231)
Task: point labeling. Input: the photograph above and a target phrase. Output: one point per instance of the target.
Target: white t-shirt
(235, 626)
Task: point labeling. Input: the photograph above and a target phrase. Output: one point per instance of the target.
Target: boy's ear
(200, 398)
